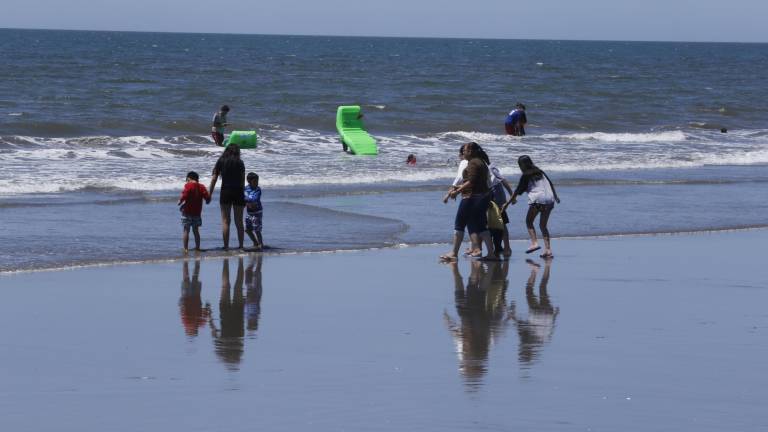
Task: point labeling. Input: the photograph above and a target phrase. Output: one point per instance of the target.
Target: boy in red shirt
(191, 206)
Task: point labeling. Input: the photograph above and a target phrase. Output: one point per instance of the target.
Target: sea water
(98, 130)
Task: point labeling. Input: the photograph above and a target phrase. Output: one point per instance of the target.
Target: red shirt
(193, 195)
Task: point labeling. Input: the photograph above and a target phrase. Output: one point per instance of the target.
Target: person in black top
(231, 169)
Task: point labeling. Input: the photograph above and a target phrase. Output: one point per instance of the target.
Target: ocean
(98, 129)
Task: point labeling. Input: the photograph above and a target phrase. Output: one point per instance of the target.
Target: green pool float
(354, 138)
(244, 139)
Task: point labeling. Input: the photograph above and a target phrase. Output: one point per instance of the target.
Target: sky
(652, 20)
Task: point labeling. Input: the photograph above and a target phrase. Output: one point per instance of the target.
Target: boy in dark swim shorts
(254, 210)
(191, 207)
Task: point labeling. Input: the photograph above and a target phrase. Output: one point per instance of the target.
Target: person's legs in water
(533, 211)
(185, 238)
(499, 197)
(507, 245)
(258, 237)
(249, 227)
(453, 255)
(225, 222)
(485, 237)
(459, 224)
(249, 233)
(498, 237)
(477, 224)
(238, 210)
(196, 232)
(505, 235)
(543, 220)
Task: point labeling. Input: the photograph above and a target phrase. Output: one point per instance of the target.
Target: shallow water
(647, 333)
(98, 129)
(97, 227)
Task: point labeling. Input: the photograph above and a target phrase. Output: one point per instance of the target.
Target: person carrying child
(253, 210)
(541, 200)
(191, 207)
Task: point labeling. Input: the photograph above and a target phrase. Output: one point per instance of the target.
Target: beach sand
(649, 333)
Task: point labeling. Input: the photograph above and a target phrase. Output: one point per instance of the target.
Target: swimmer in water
(411, 160)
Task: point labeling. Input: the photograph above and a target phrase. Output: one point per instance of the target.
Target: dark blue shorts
(472, 214)
(191, 221)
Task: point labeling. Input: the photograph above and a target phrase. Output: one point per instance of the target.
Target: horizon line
(380, 36)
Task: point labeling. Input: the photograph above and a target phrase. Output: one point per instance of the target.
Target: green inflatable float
(244, 139)
(354, 138)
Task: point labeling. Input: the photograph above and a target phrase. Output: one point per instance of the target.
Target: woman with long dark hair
(475, 198)
(231, 169)
(541, 200)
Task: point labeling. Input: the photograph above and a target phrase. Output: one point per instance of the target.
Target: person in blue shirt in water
(254, 210)
(516, 120)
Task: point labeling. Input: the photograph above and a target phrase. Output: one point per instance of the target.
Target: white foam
(666, 137)
(308, 157)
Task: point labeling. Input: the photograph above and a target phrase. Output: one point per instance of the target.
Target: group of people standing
(482, 209)
(238, 192)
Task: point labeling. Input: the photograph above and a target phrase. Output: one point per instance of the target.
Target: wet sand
(651, 333)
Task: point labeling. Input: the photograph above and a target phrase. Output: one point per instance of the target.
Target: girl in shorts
(541, 200)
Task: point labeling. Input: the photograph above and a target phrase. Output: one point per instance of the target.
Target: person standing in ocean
(231, 169)
(219, 121)
(516, 120)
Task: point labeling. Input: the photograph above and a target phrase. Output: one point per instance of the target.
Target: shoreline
(217, 254)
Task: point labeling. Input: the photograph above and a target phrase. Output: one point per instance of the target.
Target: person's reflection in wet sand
(481, 307)
(193, 314)
(253, 294)
(228, 338)
(537, 329)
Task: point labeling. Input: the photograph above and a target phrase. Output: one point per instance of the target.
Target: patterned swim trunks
(253, 221)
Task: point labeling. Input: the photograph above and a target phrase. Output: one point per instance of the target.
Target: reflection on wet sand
(481, 308)
(193, 314)
(253, 294)
(236, 313)
(537, 329)
(228, 336)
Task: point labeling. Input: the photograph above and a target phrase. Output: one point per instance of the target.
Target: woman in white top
(541, 199)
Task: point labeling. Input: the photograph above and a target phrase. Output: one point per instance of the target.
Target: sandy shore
(626, 333)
